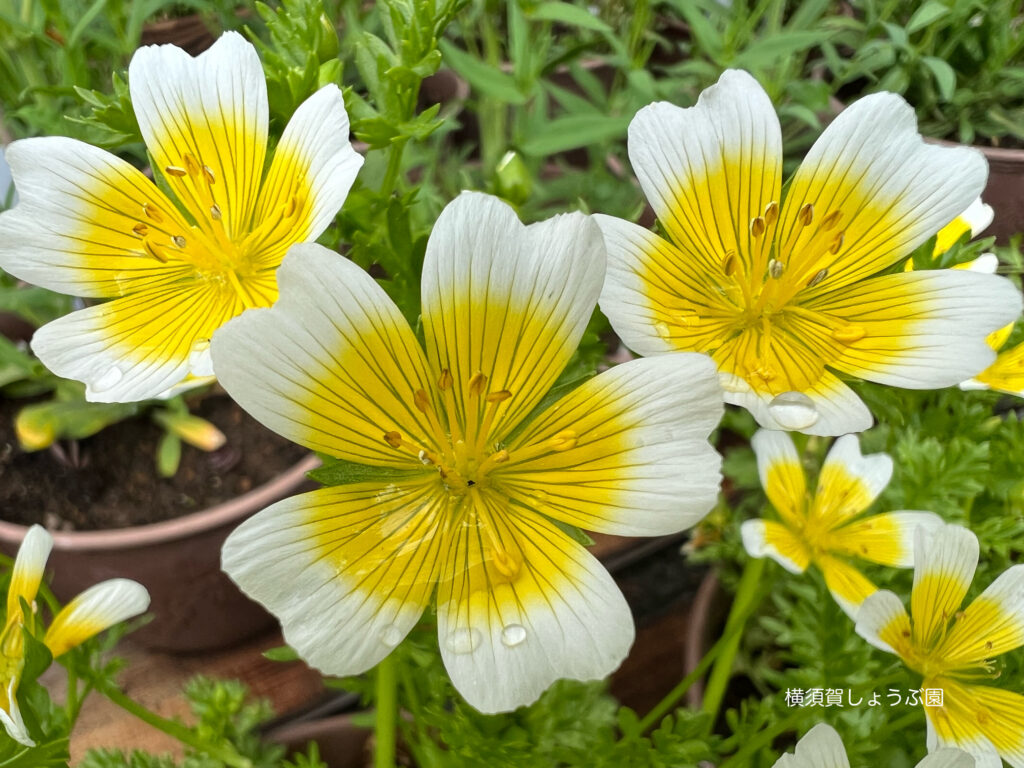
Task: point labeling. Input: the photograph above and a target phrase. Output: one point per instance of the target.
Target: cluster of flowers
(753, 298)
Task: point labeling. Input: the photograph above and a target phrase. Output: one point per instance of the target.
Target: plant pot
(1004, 191)
(342, 743)
(189, 32)
(196, 607)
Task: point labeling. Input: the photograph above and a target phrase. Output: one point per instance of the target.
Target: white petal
(821, 747)
(946, 558)
(850, 482)
(97, 609)
(12, 721)
(28, 570)
(755, 534)
(948, 758)
(877, 617)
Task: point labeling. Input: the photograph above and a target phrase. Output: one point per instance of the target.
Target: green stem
(742, 607)
(224, 753)
(761, 740)
(385, 730)
(394, 168)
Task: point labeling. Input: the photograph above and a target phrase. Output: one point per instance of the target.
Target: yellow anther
(444, 381)
(208, 174)
(291, 206)
(837, 243)
(771, 213)
(820, 275)
(497, 397)
(140, 229)
(394, 439)
(499, 457)
(178, 240)
(175, 170)
(152, 212)
(506, 564)
(806, 215)
(477, 384)
(729, 263)
(215, 213)
(153, 251)
(421, 400)
(564, 440)
(849, 334)
(757, 227)
(191, 164)
(831, 220)
(776, 268)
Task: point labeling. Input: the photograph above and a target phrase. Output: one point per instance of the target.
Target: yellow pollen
(564, 440)
(806, 215)
(849, 334)
(175, 170)
(499, 396)
(152, 212)
(178, 240)
(757, 227)
(477, 384)
(215, 213)
(140, 229)
(771, 213)
(820, 275)
(831, 220)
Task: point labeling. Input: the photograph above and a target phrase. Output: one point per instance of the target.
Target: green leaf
(282, 653)
(575, 131)
(945, 76)
(569, 14)
(341, 472)
(483, 77)
(927, 14)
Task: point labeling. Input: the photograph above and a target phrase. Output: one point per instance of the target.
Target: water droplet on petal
(391, 635)
(689, 317)
(463, 641)
(513, 635)
(199, 354)
(108, 380)
(793, 410)
(849, 334)
(663, 330)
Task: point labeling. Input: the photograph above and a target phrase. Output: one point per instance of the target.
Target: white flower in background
(821, 747)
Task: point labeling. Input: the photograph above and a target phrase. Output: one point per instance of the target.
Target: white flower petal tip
(948, 758)
(29, 567)
(820, 747)
(581, 631)
(986, 263)
(879, 613)
(978, 216)
(12, 721)
(874, 470)
(97, 609)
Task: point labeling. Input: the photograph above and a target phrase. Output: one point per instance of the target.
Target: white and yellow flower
(1006, 374)
(95, 610)
(827, 529)
(488, 472)
(175, 266)
(821, 747)
(953, 649)
(973, 221)
(784, 292)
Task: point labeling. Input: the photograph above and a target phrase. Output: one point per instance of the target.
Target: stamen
(477, 384)
(152, 250)
(444, 381)
(291, 206)
(191, 164)
(178, 240)
(806, 215)
(175, 170)
(394, 439)
(564, 440)
(422, 401)
(831, 220)
(818, 277)
(140, 229)
(499, 396)
(729, 263)
(849, 334)
(152, 212)
(837, 243)
(215, 213)
(757, 227)
(771, 213)
(208, 174)
(776, 268)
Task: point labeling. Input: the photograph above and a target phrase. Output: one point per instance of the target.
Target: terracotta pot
(196, 607)
(189, 32)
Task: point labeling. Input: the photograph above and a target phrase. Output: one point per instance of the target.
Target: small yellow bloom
(177, 266)
(785, 290)
(484, 474)
(1006, 374)
(98, 608)
(821, 747)
(972, 221)
(953, 649)
(828, 529)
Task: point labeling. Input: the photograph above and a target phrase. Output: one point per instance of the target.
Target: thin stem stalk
(386, 727)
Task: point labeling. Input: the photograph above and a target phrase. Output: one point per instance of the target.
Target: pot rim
(191, 524)
(1002, 154)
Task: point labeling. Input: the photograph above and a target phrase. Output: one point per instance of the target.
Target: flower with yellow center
(972, 221)
(954, 649)
(784, 291)
(1006, 374)
(483, 472)
(176, 265)
(821, 747)
(95, 610)
(828, 529)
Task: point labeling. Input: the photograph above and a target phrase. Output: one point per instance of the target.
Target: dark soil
(115, 483)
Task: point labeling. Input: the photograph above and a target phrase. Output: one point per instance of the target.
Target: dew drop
(793, 410)
(108, 380)
(663, 330)
(689, 317)
(391, 635)
(513, 635)
(849, 334)
(463, 641)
